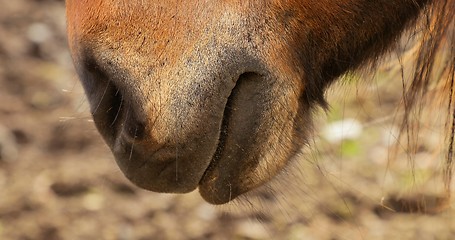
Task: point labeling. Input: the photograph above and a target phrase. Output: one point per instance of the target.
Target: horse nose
(166, 123)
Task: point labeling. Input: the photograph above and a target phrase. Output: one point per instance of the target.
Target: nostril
(106, 98)
(134, 128)
(114, 104)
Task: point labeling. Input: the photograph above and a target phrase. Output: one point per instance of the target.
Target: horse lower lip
(224, 128)
(223, 133)
(233, 134)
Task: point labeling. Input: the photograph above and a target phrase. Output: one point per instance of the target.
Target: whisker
(132, 145)
(176, 163)
(102, 97)
(118, 111)
(72, 118)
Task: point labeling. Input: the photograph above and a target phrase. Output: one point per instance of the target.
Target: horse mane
(437, 33)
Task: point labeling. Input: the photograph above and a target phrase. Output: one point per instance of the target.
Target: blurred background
(59, 181)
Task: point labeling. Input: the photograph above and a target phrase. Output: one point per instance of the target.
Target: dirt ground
(59, 181)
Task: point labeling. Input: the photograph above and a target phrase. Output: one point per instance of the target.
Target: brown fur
(219, 94)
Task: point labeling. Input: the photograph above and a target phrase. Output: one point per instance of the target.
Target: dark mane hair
(437, 41)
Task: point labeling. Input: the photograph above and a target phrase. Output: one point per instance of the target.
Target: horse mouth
(237, 134)
(224, 129)
(223, 133)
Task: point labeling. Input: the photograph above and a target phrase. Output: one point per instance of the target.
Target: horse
(221, 95)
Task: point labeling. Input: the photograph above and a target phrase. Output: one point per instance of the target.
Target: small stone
(93, 201)
(38, 33)
(252, 230)
(206, 212)
(344, 129)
